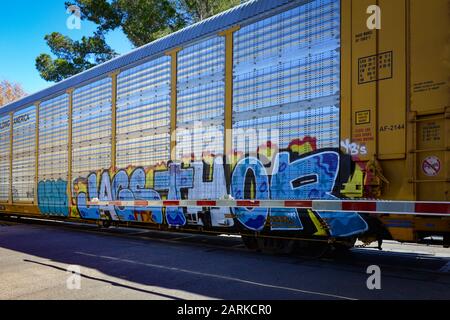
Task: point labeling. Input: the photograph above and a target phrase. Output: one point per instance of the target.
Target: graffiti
(88, 212)
(214, 189)
(254, 219)
(311, 177)
(353, 149)
(173, 181)
(52, 198)
(342, 224)
(122, 187)
(299, 172)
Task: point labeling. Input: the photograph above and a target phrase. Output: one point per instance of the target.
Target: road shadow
(218, 273)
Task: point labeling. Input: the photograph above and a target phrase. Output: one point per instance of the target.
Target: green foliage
(72, 57)
(202, 9)
(142, 21)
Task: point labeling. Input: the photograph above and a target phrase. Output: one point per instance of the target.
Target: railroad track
(391, 261)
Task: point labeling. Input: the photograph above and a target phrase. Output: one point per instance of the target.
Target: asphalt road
(139, 264)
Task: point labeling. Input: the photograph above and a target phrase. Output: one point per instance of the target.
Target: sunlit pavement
(133, 264)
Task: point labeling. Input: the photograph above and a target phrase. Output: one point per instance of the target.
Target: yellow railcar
(286, 121)
(400, 110)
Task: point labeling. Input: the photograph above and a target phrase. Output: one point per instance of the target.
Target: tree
(10, 92)
(72, 57)
(203, 9)
(142, 21)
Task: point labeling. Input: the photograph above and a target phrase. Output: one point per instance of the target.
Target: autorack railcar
(285, 121)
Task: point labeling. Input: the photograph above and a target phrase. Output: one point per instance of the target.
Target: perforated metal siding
(24, 155)
(143, 114)
(91, 133)
(53, 139)
(223, 21)
(287, 78)
(200, 104)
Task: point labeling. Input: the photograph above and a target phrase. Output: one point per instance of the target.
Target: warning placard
(376, 67)
(431, 132)
(431, 166)
(362, 117)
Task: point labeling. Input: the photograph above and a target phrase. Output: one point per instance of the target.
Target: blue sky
(23, 26)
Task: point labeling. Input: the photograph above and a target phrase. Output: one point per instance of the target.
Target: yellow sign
(363, 117)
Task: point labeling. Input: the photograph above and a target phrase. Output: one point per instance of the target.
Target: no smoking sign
(431, 166)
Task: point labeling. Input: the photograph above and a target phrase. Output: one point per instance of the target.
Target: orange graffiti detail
(306, 145)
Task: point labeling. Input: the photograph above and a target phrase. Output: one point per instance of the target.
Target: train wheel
(250, 242)
(344, 245)
(269, 245)
(276, 246)
(312, 249)
(104, 224)
(446, 241)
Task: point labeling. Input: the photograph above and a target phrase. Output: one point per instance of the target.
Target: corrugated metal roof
(248, 11)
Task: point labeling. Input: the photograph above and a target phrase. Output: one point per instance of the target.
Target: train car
(292, 123)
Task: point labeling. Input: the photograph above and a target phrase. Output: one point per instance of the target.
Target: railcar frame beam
(114, 119)
(69, 148)
(229, 64)
(173, 100)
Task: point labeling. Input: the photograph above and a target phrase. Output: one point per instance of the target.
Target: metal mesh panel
(4, 157)
(143, 114)
(53, 139)
(200, 104)
(91, 135)
(287, 78)
(24, 154)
